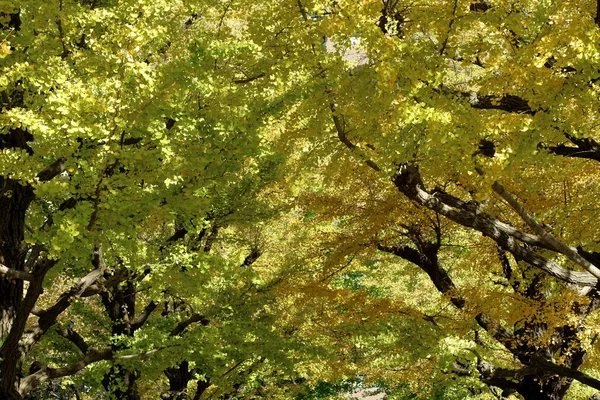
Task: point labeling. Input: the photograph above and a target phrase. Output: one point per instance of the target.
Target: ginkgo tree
(475, 126)
(129, 144)
(247, 197)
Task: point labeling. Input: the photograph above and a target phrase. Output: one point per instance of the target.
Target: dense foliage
(299, 198)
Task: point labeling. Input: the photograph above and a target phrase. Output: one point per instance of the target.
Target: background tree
(451, 104)
(128, 140)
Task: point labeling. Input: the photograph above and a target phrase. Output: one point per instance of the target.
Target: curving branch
(75, 338)
(409, 182)
(469, 214)
(429, 264)
(45, 373)
(92, 355)
(48, 317)
(340, 128)
(143, 317)
(183, 325)
(425, 257)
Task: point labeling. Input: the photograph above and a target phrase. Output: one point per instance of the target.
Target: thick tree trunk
(179, 377)
(201, 388)
(14, 201)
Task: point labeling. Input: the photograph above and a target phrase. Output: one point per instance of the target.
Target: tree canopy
(297, 198)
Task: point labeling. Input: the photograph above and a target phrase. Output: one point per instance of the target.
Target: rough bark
(15, 198)
(470, 214)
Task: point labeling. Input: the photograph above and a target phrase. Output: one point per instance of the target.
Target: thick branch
(586, 148)
(15, 274)
(251, 258)
(560, 247)
(444, 284)
(48, 317)
(501, 376)
(75, 338)
(506, 378)
(509, 103)
(565, 371)
(498, 332)
(438, 275)
(475, 207)
(98, 288)
(408, 181)
(141, 320)
(52, 170)
(45, 373)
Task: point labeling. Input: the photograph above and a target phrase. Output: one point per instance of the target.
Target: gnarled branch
(408, 181)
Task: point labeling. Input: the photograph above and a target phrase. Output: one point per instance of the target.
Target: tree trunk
(14, 201)
(179, 376)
